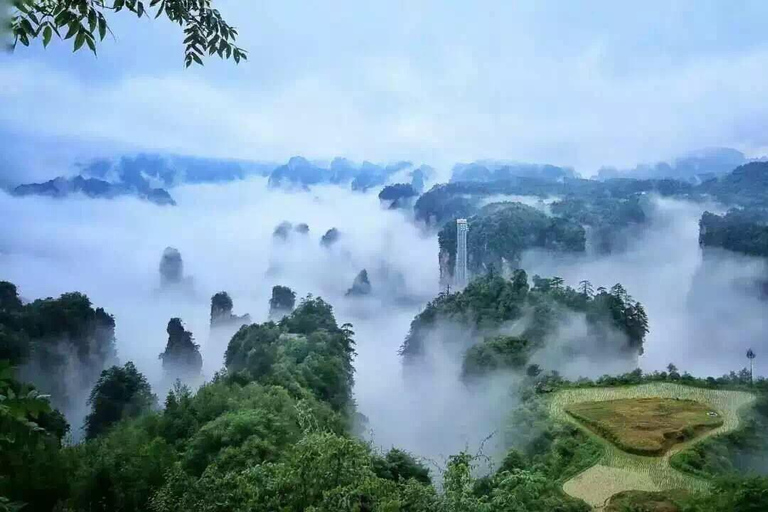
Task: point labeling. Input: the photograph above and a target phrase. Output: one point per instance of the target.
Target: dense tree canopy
(500, 233)
(60, 344)
(272, 431)
(282, 301)
(121, 392)
(306, 351)
(87, 22)
(616, 323)
(739, 230)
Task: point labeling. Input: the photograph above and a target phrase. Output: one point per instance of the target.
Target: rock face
(330, 237)
(181, 358)
(171, 268)
(282, 230)
(172, 272)
(360, 286)
(221, 312)
(282, 302)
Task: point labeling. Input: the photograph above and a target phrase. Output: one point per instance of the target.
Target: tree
(205, 31)
(282, 302)
(751, 356)
(121, 392)
(586, 289)
(221, 307)
(181, 358)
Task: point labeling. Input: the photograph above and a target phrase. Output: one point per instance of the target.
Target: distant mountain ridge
(146, 176)
(490, 170)
(302, 173)
(94, 188)
(696, 166)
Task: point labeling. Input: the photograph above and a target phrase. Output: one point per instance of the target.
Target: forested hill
(617, 324)
(743, 231)
(463, 199)
(500, 232)
(61, 344)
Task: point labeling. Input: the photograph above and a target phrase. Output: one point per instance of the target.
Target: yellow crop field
(618, 470)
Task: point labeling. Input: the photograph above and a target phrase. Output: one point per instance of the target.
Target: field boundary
(617, 470)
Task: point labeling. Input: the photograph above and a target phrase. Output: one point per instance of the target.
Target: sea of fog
(703, 312)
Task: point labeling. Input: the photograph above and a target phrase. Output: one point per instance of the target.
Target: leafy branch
(85, 22)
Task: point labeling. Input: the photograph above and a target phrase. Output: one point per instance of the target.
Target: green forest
(275, 429)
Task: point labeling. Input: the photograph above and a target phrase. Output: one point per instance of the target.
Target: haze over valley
(413, 257)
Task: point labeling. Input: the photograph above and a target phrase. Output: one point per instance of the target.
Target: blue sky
(575, 83)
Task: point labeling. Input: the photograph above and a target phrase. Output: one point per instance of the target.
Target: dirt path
(617, 470)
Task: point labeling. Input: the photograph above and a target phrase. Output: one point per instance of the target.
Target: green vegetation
(645, 501)
(221, 311)
(490, 301)
(608, 217)
(181, 358)
(283, 300)
(744, 231)
(742, 450)
(272, 430)
(646, 426)
(120, 393)
(61, 345)
(205, 31)
(617, 470)
(465, 198)
(500, 232)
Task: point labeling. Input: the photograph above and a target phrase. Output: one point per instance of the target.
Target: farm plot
(619, 470)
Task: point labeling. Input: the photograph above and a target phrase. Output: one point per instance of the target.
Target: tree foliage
(616, 323)
(283, 300)
(500, 233)
(206, 32)
(121, 392)
(744, 231)
(181, 358)
(61, 345)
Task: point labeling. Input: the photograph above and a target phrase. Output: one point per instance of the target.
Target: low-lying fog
(702, 314)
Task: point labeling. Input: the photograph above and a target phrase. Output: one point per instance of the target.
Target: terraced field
(618, 470)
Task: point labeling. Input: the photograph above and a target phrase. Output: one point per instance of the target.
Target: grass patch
(646, 426)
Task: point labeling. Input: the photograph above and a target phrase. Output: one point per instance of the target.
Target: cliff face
(360, 286)
(446, 268)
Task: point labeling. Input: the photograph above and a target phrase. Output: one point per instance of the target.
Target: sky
(583, 84)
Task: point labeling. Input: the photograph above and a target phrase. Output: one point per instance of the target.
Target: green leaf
(27, 27)
(79, 40)
(92, 20)
(47, 35)
(91, 44)
(102, 27)
(119, 5)
(140, 9)
(73, 28)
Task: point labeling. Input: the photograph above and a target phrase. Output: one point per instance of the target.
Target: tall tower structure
(461, 275)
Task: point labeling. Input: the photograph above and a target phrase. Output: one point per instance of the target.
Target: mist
(111, 250)
(704, 307)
